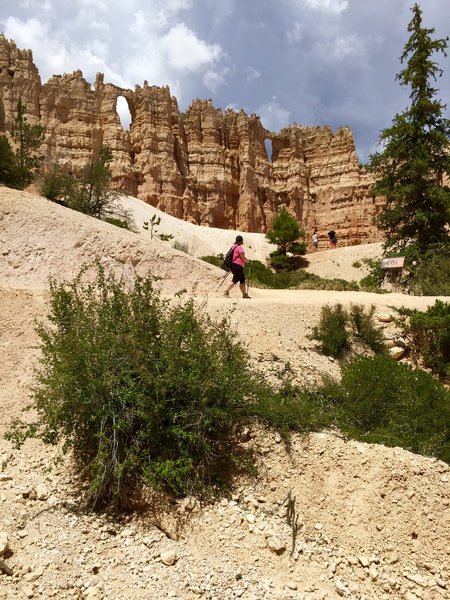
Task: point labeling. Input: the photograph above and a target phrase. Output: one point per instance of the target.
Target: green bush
(429, 332)
(431, 276)
(363, 327)
(373, 281)
(8, 170)
(263, 277)
(55, 184)
(336, 324)
(121, 223)
(217, 261)
(166, 237)
(181, 246)
(382, 401)
(291, 408)
(141, 390)
(282, 262)
(331, 331)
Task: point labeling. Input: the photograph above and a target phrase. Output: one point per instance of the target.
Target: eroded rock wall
(206, 165)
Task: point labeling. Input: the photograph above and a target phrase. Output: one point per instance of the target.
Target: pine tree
(415, 157)
(28, 138)
(285, 230)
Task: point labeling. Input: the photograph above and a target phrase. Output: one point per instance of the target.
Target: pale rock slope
(365, 521)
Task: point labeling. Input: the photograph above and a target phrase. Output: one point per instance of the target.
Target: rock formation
(206, 165)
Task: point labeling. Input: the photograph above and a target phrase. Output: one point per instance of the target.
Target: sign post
(393, 266)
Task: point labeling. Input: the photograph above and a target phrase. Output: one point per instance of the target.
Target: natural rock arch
(124, 112)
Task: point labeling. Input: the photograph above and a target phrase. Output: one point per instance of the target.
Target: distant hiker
(332, 239)
(315, 239)
(238, 262)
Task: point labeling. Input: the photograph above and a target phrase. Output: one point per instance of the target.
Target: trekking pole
(221, 283)
(248, 278)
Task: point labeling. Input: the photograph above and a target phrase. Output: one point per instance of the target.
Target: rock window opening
(268, 145)
(124, 112)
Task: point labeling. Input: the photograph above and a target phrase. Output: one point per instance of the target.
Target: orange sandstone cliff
(206, 165)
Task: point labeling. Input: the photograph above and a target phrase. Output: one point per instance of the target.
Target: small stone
(28, 591)
(168, 557)
(385, 317)
(373, 573)
(418, 579)
(397, 352)
(392, 558)
(341, 588)
(389, 343)
(4, 542)
(5, 477)
(42, 492)
(364, 561)
(292, 585)
(276, 545)
(250, 518)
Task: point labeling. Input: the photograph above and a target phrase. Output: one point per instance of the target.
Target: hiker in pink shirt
(237, 267)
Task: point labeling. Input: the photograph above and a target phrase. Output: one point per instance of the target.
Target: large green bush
(431, 276)
(382, 401)
(429, 333)
(140, 389)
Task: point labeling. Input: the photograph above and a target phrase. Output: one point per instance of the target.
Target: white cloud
(26, 34)
(329, 6)
(185, 51)
(55, 56)
(162, 12)
(295, 34)
(214, 79)
(138, 26)
(98, 5)
(252, 73)
(40, 5)
(273, 116)
(346, 46)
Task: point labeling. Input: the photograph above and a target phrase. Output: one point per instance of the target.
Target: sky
(310, 62)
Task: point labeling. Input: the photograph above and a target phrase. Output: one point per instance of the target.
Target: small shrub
(363, 326)
(382, 401)
(117, 222)
(331, 331)
(217, 261)
(165, 237)
(283, 262)
(181, 246)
